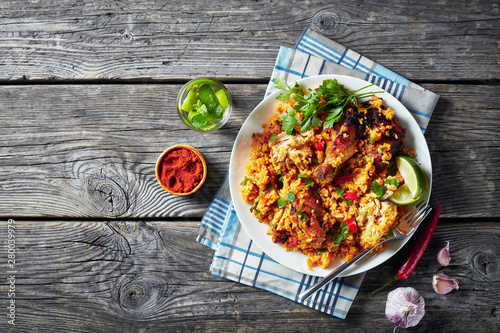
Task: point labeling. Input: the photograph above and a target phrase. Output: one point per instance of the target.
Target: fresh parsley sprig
(331, 98)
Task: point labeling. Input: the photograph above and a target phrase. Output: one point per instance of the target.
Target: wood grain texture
(126, 40)
(90, 151)
(153, 277)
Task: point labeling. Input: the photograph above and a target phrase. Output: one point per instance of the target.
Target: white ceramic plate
(241, 153)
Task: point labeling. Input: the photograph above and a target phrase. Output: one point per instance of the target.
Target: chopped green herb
(330, 97)
(309, 182)
(281, 84)
(302, 175)
(289, 121)
(321, 252)
(256, 203)
(301, 215)
(269, 187)
(392, 181)
(271, 139)
(379, 190)
(290, 197)
(281, 202)
(340, 191)
(342, 233)
(244, 181)
(348, 202)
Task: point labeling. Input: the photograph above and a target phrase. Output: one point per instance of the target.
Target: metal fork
(407, 226)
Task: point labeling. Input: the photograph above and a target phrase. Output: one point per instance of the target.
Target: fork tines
(418, 213)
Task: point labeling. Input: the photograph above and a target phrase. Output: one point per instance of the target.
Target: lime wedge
(191, 114)
(221, 96)
(191, 99)
(403, 196)
(415, 184)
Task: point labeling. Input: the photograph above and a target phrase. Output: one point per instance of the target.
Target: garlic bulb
(443, 283)
(443, 256)
(405, 307)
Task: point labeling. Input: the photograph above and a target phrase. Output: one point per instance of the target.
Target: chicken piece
(387, 134)
(312, 212)
(342, 147)
(287, 150)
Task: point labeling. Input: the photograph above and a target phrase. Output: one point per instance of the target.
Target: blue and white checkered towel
(236, 257)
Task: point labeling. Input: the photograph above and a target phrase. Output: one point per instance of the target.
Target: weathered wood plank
(90, 151)
(68, 40)
(132, 276)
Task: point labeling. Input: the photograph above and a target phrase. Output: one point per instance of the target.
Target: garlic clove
(405, 307)
(443, 256)
(443, 283)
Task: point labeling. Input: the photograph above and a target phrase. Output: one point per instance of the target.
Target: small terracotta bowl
(175, 180)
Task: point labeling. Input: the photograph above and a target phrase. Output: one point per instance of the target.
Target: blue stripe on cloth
(401, 93)
(252, 253)
(419, 113)
(390, 86)
(211, 228)
(330, 293)
(208, 222)
(308, 43)
(340, 282)
(322, 50)
(305, 67)
(387, 73)
(330, 56)
(343, 55)
(245, 260)
(357, 62)
(290, 71)
(259, 268)
(301, 36)
(322, 67)
(217, 213)
(220, 205)
(301, 285)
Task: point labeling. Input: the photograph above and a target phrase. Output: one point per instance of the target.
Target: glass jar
(199, 116)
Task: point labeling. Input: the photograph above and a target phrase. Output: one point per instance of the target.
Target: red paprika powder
(181, 170)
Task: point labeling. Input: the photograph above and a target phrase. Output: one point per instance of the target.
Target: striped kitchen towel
(315, 54)
(236, 257)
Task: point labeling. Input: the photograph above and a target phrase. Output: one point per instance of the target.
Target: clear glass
(216, 86)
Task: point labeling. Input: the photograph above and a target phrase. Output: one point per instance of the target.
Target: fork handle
(308, 292)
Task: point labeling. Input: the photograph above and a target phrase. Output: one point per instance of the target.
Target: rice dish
(325, 191)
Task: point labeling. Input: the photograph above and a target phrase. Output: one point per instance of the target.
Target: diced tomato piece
(320, 146)
(352, 227)
(293, 240)
(350, 196)
(349, 221)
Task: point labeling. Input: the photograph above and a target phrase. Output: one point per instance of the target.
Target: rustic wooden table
(87, 104)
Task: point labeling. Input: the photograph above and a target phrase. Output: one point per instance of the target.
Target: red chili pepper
(416, 253)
